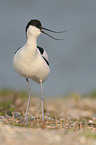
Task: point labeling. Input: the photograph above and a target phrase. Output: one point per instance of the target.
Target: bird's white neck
(30, 47)
(32, 42)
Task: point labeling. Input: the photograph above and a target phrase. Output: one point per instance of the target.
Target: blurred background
(72, 61)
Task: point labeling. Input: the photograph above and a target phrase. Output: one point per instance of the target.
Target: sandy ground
(73, 109)
(17, 136)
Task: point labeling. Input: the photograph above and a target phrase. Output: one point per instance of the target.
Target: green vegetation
(10, 93)
(8, 99)
(89, 134)
(6, 108)
(91, 94)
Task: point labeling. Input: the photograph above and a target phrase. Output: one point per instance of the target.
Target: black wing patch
(17, 50)
(40, 49)
(46, 60)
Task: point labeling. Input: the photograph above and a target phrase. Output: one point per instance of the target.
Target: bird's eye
(40, 28)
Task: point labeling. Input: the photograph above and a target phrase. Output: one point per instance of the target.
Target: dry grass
(57, 122)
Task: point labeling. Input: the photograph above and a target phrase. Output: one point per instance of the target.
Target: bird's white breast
(30, 64)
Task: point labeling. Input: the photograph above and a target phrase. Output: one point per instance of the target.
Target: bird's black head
(38, 25)
(35, 23)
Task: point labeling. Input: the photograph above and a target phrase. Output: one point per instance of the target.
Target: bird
(31, 61)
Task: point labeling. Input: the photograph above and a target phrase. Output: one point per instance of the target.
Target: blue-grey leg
(29, 91)
(42, 100)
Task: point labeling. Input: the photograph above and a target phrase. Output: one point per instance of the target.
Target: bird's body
(31, 61)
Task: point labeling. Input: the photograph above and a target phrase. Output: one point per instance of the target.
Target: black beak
(51, 31)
